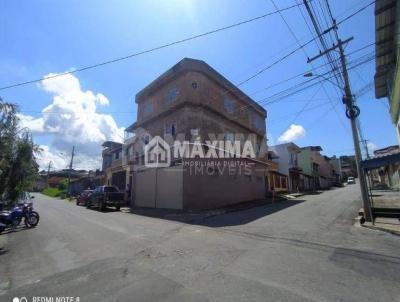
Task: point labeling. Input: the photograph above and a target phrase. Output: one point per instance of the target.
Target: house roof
(386, 150)
(381, 160)
(312, 148)
(385, 50)
(188, 64)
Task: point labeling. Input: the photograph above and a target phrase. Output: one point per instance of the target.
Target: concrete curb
(382, 229)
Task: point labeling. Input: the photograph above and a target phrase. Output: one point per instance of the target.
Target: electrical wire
(179, 42)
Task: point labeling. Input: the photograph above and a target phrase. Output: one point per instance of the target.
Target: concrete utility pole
(352, 111)
(70, 168)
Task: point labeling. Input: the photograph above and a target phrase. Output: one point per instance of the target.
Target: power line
(306, 87)
(253, 93)
(304, 51)
(151, 49)
(179, 42)
(291, 91)
(304, 72)
(301, 46)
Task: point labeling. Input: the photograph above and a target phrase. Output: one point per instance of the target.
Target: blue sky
(42, 37)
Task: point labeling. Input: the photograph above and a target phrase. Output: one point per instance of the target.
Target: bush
(62, 186)
(55, 192)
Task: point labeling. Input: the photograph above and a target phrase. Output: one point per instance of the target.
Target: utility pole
(352, 111)
(48, 173)
(365, 143)
(70, 168)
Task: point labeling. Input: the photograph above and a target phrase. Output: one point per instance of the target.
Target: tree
(18, 167)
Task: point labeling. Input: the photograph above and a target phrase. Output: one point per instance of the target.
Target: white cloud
(36, 125)
(71, 119)
(293, 133)
(45, 156)
(371, 147)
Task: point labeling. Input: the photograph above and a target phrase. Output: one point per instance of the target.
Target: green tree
(18, 167)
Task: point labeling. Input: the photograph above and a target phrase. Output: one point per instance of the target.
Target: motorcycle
(12, 219)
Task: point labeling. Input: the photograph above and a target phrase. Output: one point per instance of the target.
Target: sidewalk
(385, 199)
(390, 225)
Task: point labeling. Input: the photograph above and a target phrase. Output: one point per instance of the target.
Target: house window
(229, 136)
(293, 158)
(117, 155)
(257, 122)
(170, 128)
(148, 108)
(146, 139)
(172, 95)
(229, 106)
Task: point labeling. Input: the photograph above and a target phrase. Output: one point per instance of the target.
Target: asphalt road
(301, 250)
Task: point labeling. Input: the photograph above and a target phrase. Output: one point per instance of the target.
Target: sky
(42, 38)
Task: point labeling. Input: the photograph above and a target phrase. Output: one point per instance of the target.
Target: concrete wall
(170, 188)
(207, 93)
(183, 187)
(305, 161)
(159, 188)
(213, 189)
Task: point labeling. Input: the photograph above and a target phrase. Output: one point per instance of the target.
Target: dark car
(83, 197)
(106, 196)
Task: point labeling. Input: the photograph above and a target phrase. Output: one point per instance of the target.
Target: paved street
(300, 250)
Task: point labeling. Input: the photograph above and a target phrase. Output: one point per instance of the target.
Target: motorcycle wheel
(32, 220)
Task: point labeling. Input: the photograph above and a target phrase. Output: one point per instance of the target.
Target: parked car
(106, 196)
(351, 180)
(83, 197)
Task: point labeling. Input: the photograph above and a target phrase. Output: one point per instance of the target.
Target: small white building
(288, 163)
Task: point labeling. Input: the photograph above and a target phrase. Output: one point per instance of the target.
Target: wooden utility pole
(352, 111)
(70, 168)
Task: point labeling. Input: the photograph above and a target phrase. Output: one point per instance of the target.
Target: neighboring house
(309, 162)
(387, 50)
(190, 101)
(91, 181)
(327, 173)
(348, 166)
(288, 164)
(337, 168)
(383, 169)
(276, 181)
(115, 171)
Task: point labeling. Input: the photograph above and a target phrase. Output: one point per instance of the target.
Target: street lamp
(310, 74)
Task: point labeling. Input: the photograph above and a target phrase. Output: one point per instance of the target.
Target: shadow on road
(229, 216)
(15, 230)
